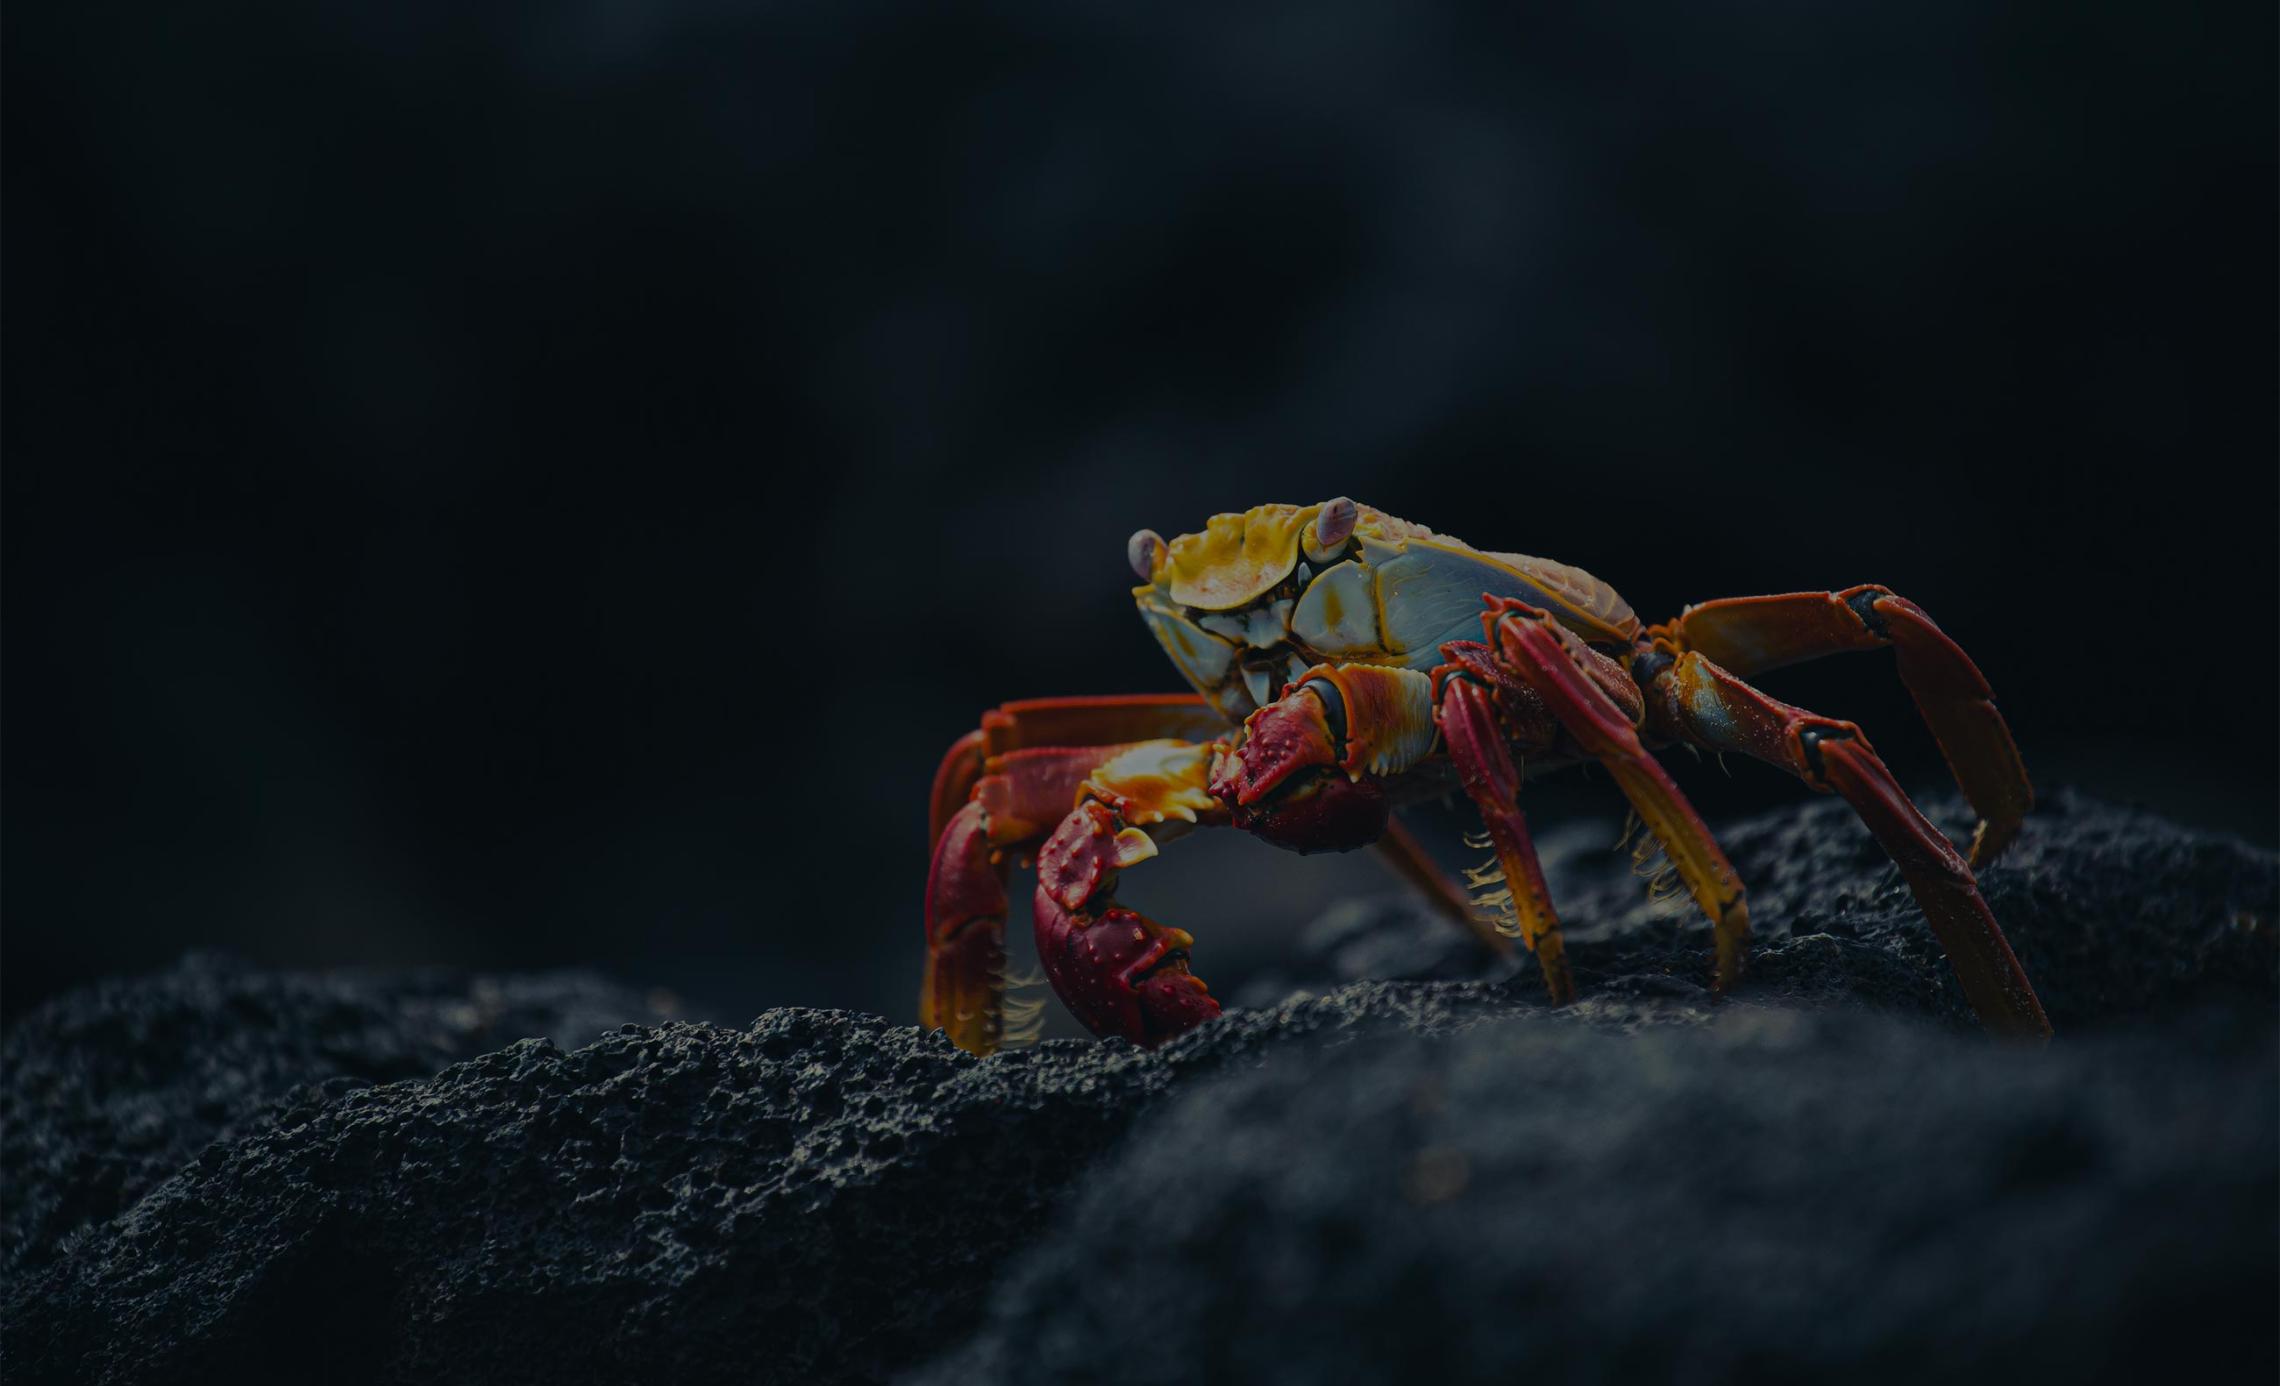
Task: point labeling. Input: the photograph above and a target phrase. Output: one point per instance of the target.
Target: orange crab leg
(1711, 707)
(1557, 666)
(1749, 635)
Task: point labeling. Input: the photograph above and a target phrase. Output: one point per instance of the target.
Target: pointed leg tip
(1559, 984)
(2032, 1030)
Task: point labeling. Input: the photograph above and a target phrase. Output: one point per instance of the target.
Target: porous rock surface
(2114, 914)
(112, 1089)
(1828, 1172)
(1778, 1195)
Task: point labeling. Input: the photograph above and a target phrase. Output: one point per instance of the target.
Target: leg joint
(1650, 664)
(1809, 738)
(1861, 601)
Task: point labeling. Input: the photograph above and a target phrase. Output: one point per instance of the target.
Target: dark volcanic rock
(1830, 1174)
(1776, 1196)
(2115, 914)
(112, 1089)
(820, 1196)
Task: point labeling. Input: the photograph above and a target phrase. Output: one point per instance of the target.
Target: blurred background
(519, 485)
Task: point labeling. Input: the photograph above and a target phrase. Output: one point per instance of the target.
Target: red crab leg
(1711, 707)
(999, 790)
(1553, 662)
(1749, 635)
(1093, 721)
(1476, 746)
(1003, 786)
(1104, 720)
(1024, 793)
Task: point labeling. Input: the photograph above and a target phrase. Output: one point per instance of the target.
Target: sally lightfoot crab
(1338, 677)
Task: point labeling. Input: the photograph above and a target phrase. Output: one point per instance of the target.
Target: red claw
(1280, 740)
(1119, 972)
(1325, 813)
(1287, 789)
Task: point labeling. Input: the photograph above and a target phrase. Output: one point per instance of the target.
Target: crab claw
(1281, 740)
(1285, 780)
(1117, 971)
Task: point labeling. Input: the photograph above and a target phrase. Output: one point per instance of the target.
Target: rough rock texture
(820, 1196)
(2114, 913)
(112, 1089)
(1828, 1173)
(1776, 1196)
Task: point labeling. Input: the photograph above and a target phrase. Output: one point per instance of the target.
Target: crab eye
(1144, 550)
(1335, 525)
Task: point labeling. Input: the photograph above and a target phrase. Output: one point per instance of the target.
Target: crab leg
(1105, 720)
(1713, 708)
(1749, 635)
(1012, 806)
(1002, 787)
(1126, 718)
(1556, 665)
(1476, 746)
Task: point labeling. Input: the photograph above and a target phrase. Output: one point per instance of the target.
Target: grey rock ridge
(112, 1089)
(2114, 913)
(1776, 1195)
(1442, 1179)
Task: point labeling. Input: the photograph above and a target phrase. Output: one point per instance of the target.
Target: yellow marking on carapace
(1238, 556)
(1420, 588)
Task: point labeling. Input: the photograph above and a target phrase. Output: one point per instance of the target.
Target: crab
(1345, 665)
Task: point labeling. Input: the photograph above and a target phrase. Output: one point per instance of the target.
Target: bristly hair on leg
(1649, 861)
(1492, 901)
(1024, 1009)
(1494, 907)
(1664, 887)
(1647, 857)
(1631, 824)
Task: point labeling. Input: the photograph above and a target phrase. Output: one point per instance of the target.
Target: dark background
(521, 484)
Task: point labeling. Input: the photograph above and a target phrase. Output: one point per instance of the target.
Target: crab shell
(1264, 595)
